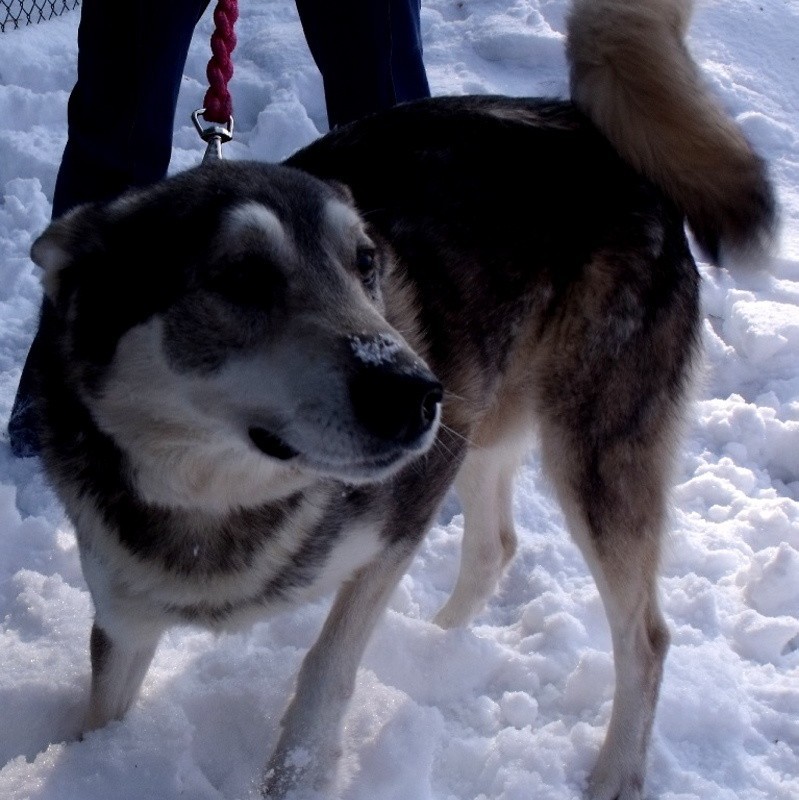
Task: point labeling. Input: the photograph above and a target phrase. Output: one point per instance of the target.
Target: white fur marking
(338, 215)
(257, 216)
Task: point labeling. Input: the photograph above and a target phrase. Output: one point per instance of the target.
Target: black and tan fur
(254, 394)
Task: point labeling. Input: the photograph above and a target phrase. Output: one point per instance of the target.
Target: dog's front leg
(119, 664)
(309, 746)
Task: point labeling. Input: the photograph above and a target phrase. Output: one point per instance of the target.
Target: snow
(514, 706)
(381, 349)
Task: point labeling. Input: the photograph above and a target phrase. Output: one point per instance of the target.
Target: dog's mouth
(271, 444)
(366, 469)
(361, 471)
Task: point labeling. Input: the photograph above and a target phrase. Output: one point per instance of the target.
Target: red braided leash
(217, 102)
(218, 108)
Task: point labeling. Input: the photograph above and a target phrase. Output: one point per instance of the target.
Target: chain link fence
(19, 13)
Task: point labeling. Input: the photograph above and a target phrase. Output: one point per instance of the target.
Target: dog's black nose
(395, 405)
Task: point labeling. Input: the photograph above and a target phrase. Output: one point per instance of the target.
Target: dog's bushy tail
(633, 76)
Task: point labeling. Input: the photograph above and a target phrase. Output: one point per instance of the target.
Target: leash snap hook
(214, 134)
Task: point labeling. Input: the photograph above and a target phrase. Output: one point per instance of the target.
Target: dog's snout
(395, 404)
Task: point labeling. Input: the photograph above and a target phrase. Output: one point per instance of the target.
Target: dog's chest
(222, 572)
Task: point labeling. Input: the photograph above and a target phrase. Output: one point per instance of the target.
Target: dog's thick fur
(254, 394)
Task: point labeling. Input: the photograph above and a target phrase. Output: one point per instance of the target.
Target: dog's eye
(366, 264)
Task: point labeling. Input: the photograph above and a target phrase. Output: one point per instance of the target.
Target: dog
(259, 381)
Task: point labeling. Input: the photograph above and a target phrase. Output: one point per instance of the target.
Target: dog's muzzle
(393, 412)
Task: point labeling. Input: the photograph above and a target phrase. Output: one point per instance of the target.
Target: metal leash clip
(214, 134)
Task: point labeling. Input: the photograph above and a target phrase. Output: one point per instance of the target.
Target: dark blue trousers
(121, 111)
(368, 51)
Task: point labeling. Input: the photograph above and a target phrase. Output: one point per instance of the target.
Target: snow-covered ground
(515, 707)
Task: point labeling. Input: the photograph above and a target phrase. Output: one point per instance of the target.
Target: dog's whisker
(457, 434)
(448, 395)
(439, 444)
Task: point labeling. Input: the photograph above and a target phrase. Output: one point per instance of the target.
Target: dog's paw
(298, 774)
(448, 618)
(284, 787)
(615, 784)
(457, 612)
(283, 778)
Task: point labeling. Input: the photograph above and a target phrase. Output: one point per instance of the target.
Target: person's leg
(407, 65)
(350, 41)
(122, 108)
(368, 51)
(120, 116)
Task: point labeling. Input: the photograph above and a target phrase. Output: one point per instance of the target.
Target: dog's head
(229, 322)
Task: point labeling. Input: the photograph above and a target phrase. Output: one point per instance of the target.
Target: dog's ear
(63, 242)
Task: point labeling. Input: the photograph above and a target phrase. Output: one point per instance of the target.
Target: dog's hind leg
(118, 670)
(613, 495)
(485, 489)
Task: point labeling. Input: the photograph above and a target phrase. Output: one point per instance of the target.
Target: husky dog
(260, 381)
